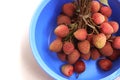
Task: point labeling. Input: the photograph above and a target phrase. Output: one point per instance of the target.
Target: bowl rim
(36, 53)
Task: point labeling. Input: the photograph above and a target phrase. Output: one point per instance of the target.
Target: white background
(16, 59)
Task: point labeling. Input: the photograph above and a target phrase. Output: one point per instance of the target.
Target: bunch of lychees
(84, 31)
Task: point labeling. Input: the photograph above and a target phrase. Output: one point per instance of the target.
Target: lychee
(62, 19)
(115, 55)
(67, 69)
(80, 34)
(68, 9)
(105, 64)
(99, 40)
(61, 30)
(62, 56)
(114, 25)
(105, 10)
(73, 57)
(107, 50)
(98, 18)
(95, 54)
(56, 45)
(68, 47)
(86, 56)
(95, 6)
(84, 46)
(106, 28)
(116, 42)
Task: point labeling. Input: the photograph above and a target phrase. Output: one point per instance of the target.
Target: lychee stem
(93, 27)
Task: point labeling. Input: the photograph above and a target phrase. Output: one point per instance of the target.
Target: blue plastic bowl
(41, 35)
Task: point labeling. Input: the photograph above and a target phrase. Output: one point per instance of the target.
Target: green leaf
(105, 2)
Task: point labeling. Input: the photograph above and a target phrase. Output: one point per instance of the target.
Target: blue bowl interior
(42, 32)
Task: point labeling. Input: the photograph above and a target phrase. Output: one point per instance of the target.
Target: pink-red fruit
(105, 64)
(56, 45)
(105, 10)
(68, 47)
(67, 69)
(107, 50)
(115, 55)
(106, 28)
(62, 19)
(114, 25)
(73, 57)
(95, 6)
(85, 56)
(116, 42)
(62, 56)
(61, 31)
(95, 54)
(68, 9)
(99, 40)
(79, 66)
(80, 34)
(98, 18)
(84, 46)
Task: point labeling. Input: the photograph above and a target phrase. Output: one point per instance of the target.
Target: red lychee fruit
(61, 30)
(85, 56)
(107, 50)
(56, 45)
(95, 54)
(68, 9)
(79, 66)
(116, 42)
(67, 69)
(106, 28)
(84, 46)
(95, 6)
(99, 40)
(80, 34)
(68, 47)
(73, 57)
(105, 64)
(98, 18)
(62, 19)
(62, 56)
(105, 10)
(114, 25)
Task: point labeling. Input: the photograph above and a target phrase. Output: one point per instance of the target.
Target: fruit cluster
(85, 32)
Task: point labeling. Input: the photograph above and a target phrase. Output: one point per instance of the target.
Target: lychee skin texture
(114, 56)
(90, 37)
(62, 19)
(105, 10)
(85, 56)
(80, 34)
(79, 66)
(95, 54)
(114, 25)
(95, 6)
(67, 69)
(62, 56)
(61, 31)
(98, 18)
(105, 64)
(68, 48)
(68, 9)
(107, 50)
(106, 28)
(99, 40)
(73, 57)
(84, 46)
(116, 42)
(56, 45)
